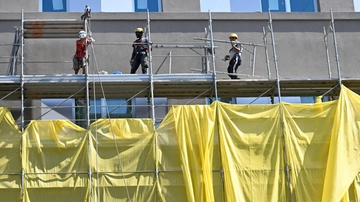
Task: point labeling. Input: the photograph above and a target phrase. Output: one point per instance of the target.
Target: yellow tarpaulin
(10, 158)
(222, 152)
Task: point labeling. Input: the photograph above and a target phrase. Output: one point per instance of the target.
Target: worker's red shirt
(80, 49)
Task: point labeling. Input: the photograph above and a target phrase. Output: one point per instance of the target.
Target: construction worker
(139, 53)
(79, 59)
(234, 56)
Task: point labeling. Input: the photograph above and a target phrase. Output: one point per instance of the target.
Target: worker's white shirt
(232, 53)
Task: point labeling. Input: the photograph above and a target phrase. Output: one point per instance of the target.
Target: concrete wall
(299, 43)
(181, 6)
(17, 5)
(336, 5)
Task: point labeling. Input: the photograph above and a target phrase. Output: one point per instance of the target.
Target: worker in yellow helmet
(140, 52)
(234, 56)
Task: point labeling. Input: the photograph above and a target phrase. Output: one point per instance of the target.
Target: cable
(111, 126)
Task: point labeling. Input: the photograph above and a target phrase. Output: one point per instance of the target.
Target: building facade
(125, 150)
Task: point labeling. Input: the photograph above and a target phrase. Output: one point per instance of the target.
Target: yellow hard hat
(233, 35)
(139, 30)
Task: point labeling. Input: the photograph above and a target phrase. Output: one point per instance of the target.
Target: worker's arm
(235, 48)
(90, 40)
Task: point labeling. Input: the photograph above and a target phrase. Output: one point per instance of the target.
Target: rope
(108, 114)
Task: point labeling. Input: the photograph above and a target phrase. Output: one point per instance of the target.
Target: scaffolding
(205, 84)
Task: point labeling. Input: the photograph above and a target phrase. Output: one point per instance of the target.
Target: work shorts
(78, 63)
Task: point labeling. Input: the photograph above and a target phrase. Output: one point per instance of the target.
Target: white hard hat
(82, 34)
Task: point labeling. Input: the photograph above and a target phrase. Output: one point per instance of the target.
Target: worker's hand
(227, 57)
(92, 40)
(233, 43)
(131, 62)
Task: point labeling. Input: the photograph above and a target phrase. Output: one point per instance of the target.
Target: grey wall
(17, 5)
(336, 5)
(181, 6)
(299, 43)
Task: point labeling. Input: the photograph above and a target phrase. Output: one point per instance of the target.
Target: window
(303, 6)
(144, 5)
(116, 108)
(100, 5)
(273, 5)
(357, 5)
(251, 6)
(117, 6)
(79, 5)
(54, 5)
(259, 5)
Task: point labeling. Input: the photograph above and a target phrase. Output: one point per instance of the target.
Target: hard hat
(233, 35)
(82, 34)
(139, 30)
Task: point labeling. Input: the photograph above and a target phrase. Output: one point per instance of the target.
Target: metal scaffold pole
(152, 104)
(86, 17)
(213, 55)
(327, 51)
(282, 122)
(22, 71)
(22, 100)
(270, 26)
(335, 46)
(266, 52)
(86, 24)
(152, 93)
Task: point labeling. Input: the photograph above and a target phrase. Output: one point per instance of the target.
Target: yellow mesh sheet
(307, 130)
(221, 152)
(122, 160)
(343, 163)
(55, 155)
(251, 151)
(10, 158)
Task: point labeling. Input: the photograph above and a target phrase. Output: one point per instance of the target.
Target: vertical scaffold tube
(87, 77)
(266, 52)
(281, 110)
(22, 72)
(275, 57)
(88, 101)
(22, 102)
(327, 51)
(335, 47)
(213, 55)
(151, 73)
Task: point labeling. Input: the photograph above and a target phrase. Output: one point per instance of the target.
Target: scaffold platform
(167, 85)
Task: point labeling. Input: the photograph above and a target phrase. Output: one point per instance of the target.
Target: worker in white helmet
(234, 56)
(79, 60)
(140, 52)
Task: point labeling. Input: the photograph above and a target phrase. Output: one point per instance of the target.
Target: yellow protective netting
(10, 158)
(221, 152)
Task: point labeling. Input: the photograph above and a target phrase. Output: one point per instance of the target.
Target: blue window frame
(54, 6)
(283, 5)
(273, 5)
(259, 5)
(302, 6)
(116, 108)
(143, 5)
